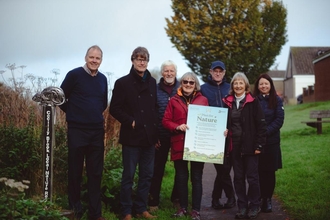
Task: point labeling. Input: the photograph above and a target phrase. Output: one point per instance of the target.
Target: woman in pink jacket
(175, 119)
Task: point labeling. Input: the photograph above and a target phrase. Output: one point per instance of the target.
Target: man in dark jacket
(86, 91)
(166, 88)
(134, 105)
(214, 90)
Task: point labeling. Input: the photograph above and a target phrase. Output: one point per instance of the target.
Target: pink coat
(175, 115)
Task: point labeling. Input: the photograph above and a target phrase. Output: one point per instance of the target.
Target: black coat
(252, 123)
(135, 99)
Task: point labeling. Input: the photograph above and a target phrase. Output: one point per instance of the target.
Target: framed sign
(205, 140)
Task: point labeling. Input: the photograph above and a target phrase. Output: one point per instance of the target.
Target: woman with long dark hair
(271, 159)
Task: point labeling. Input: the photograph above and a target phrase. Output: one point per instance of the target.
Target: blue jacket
(271, 158)
(214, 92)
(162, 100)
(274, 119)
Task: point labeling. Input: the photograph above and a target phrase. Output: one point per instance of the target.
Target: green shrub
(112, 171)
(13, 204)
(17, 154)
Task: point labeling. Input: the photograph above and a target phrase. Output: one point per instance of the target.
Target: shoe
(180, 213)
(266, 205)
(241, 214)
(253, 213)
(153, 209)
(146, 215)
(127, 217)
(100, 218)
(231, 202)
(216, 204)
(195, 215)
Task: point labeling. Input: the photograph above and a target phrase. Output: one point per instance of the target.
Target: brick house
(322, 77)
(300, 70)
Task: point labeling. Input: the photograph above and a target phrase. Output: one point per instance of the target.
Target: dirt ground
(207, 212)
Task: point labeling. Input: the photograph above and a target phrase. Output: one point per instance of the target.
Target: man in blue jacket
(166, 88)
(214, 90)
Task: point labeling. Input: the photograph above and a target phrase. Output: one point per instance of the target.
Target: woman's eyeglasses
(190, 82)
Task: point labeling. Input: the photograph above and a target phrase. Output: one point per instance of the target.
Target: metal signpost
(48, 98)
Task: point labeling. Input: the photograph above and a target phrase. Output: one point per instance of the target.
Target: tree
(246, 35)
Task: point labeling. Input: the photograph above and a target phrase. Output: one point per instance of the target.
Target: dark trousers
(181, 178)
(267, 181)
(246, 168)
(161, 157)
(85, 145)
(223, 180)
(143, 157)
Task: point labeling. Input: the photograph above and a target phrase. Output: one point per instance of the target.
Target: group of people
(153, 119)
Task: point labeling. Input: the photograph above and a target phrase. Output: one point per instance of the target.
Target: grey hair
(140, 52)
(168, 63)
(239, 75)
(194, 77)
(94, 47)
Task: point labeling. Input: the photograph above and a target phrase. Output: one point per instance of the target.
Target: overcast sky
(46, 34)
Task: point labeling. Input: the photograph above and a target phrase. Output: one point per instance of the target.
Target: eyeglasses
(141, 60)
(186, 82)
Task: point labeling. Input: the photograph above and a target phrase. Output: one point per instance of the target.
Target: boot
(266, 205)
(231, 202)
(216, 204)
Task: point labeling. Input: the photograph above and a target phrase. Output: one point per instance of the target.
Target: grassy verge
(303, 183)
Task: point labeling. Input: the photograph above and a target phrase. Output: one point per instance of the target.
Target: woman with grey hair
(246, 137)
(175, 120)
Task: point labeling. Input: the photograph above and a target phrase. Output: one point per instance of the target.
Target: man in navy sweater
(214, 90)
(86, 93)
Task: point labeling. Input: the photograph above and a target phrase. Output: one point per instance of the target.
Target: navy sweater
(87, 98)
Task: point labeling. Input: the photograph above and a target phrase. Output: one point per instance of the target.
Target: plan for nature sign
(205, 140)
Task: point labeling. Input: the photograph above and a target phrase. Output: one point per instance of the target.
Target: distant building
(300, 71)
(278, 79)
(322, 77)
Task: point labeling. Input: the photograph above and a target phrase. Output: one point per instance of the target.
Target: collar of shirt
(88, 71)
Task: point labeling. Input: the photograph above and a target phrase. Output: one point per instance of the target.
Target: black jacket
(253, 124)
(135, 99)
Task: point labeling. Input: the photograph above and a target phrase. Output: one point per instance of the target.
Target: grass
(303, 185)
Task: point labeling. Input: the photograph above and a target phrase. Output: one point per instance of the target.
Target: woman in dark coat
(246, 137)
(271, 159)
(175, 120)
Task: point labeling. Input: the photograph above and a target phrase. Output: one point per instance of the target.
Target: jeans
(143, 157)
(181, 178)
(161, 157)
